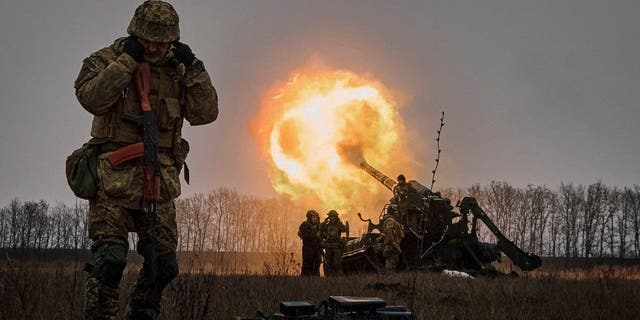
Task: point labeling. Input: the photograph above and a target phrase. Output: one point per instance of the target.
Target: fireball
(317, 127)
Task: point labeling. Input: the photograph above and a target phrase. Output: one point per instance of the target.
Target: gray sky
(536, 92)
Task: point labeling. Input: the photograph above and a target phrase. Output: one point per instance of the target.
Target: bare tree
(635, 212)
(541, 201)
(502, 201)
(554, 228)
(627, 199)
(608, 218)
(593, 211)
(4, 227)
(15, 208)
(571, 203)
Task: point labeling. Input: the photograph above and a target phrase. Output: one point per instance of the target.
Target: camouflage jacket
(406, 196)
(309, 234)
(104, 88)
(393, 232)
(401, 190)
(331, 232)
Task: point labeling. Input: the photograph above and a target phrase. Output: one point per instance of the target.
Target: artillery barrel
(386, 181)
(390, 183)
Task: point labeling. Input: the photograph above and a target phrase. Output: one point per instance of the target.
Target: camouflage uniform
(330, 231)
(401, 190)
(104, 87)
(393, 235)
(311, 248)
(407, 201)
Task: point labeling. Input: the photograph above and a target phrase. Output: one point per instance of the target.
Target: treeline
(38, 225)
(221, 221)
(227, 221)
(569, 221)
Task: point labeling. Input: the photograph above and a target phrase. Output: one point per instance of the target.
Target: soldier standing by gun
(141, 88)
(393, 235)
(330, 231)
(402, 189)
(311, 249)
(406, 198)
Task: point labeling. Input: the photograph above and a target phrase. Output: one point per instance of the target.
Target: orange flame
(316, 128)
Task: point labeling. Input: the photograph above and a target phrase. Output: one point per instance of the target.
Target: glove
(133, 48)
(183, 53)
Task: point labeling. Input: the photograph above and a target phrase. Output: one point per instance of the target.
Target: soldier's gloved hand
(183, 53)
(133, 48)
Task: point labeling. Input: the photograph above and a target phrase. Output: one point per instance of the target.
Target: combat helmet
(332, 214)
(156, 21)
(312, 213)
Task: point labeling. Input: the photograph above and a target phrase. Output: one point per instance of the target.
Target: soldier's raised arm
(201, 98)
(106, 73)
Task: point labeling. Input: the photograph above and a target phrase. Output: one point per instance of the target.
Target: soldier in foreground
(393, 235)
(330, 231)
(309, 232)
(178, 88)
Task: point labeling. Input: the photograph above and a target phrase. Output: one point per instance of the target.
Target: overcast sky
(536, 92)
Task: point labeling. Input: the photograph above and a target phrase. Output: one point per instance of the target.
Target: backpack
(82, 170)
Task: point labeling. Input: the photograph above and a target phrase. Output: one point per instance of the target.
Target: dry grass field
(53, 290)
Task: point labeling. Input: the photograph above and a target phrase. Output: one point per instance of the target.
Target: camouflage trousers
(391, 254)
(332, 261)
(311, 259)
(109, 226)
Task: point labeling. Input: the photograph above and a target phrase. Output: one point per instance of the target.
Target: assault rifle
(148, 149)
(151, 169)
(338, 307)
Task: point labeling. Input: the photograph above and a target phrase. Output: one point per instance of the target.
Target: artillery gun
(436, 236)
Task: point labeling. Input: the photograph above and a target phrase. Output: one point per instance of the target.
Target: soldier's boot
(101, 288)
(146, 296)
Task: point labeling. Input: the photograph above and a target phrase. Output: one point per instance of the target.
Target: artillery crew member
(407, 201)
(330, 231)
(393, 235)
(402, 189)
(309, 232)
(179, 88)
